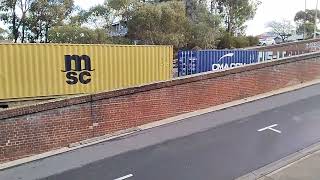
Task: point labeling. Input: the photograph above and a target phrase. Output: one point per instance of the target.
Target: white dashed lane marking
(125, 177)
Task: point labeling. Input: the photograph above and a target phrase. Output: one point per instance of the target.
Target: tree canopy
(77, 34)
(236, 12)
(3, 34)
(305, 20)
(181, 23)
(283, 29)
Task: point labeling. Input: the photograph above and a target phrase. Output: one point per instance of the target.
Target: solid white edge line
(124, 177)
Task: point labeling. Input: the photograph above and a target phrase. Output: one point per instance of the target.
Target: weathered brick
(39, 128)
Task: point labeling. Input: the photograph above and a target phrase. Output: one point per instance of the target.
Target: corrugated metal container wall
(211, 60)
(193, 62)
(37, 70)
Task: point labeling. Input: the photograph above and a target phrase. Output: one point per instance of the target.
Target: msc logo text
(77, 69)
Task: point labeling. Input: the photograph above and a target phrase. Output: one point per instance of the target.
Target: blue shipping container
(187, 63)
(193, 62)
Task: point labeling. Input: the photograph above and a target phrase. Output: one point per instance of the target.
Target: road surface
(221, 145)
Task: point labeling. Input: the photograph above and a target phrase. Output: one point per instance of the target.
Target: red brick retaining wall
(293, 48)
(39, 128)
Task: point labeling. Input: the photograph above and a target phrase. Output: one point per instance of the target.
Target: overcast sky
(276, 10)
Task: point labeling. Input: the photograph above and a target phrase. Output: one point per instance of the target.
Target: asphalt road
(220, 145)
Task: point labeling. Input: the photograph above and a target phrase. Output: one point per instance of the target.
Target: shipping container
(193, 62)
(45, 70)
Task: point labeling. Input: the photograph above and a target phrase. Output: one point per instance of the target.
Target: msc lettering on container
(75, 72)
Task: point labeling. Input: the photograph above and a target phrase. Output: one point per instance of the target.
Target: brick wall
(42, 127)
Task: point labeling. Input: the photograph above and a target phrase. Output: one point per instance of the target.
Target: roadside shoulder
(288, 165)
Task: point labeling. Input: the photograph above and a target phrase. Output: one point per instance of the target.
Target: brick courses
(42, 127)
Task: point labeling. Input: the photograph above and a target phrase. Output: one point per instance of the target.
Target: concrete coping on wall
(295, 43)
(75, 100)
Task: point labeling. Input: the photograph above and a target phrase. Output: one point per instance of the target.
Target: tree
(204, 27)
(24, 6)
(236, 12)
(305, 21)
(309, 27)
(96, 17)
(123, 8)
(284, 29)
(306, 16)
(253, 41)
(81, 17)
(191, 6)
(44, 14)
(10, 11)
(8, 15)
(77, 35)
(163, 23)
(3, 34)
(168, 23)
(227, 41)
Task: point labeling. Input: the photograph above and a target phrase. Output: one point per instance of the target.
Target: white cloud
(276, 10)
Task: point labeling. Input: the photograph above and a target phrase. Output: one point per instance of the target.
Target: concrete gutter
(281, 164)
(126, 132)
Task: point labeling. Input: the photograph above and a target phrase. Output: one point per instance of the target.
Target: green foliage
(123, 8)
(163, 23)
(45, 14)
(204, 28)
(227, 41)
(236, 13)
(306, 16)
(77, 35)
(3, 34)
(309, 29)
(253, 41)
(120, 40)
(240, 42)
(167, 23)
(80, 18)
(201, 35)
(8, 13)
(306, 19)
(119, 4)
(181, 23)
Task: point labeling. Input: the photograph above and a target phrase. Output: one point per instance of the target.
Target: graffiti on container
(314, 46)
(77, 73)
(271, 55)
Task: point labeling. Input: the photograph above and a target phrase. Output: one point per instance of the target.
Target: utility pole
(315, 22)
(305, 18)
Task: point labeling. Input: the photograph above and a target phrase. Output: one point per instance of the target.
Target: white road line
(125, 177)
(275, 130)
(270, 128)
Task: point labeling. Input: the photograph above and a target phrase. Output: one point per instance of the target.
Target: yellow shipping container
(45, 70)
